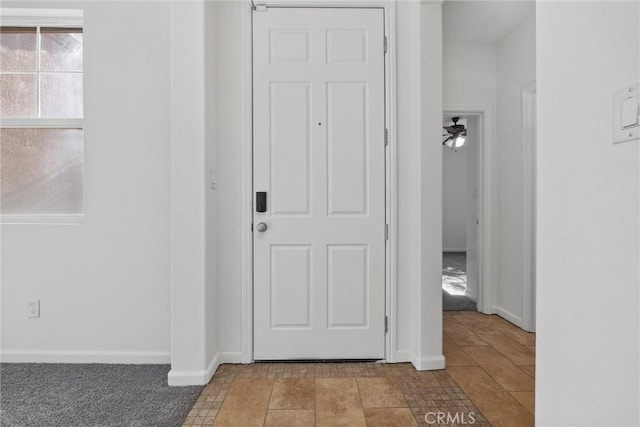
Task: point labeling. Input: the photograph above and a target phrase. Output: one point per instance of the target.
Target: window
(41, 118)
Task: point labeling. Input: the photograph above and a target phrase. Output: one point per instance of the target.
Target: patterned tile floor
(488, 381)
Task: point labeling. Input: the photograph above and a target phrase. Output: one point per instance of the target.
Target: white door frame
(246, 106)
(529, 138)
(486, 208)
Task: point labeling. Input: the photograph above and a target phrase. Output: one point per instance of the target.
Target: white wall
(588, 210)
(104, 286)
(229, 167)
(470, 75)
(516, 68)
(474, 136)
(454, 199)
(194, 326)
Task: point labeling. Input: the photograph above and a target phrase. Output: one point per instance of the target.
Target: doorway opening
(460, 272)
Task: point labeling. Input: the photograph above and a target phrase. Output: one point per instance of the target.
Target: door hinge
(261, 7)
(386, 137)
(386, 232)
(385, 44)
(386, 324)
(252, 227)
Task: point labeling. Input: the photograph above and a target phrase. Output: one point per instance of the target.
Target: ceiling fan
(456, 134)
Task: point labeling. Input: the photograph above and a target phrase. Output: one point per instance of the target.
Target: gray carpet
(454, 282)
(91, 395)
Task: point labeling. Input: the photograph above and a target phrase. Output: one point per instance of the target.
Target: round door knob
(261, 227)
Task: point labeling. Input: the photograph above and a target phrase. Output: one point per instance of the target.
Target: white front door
(319, 160)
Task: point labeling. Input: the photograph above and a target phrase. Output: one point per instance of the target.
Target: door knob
(261, 227)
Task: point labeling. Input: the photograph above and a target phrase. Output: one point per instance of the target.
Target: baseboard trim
(455, 250)
(187, 378)
(106, 357)
(507, 315)
(428, 363)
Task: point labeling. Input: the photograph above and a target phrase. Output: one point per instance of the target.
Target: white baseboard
(185, 378)
(508, 316)
(107, 357)
(455, 250)
(429, 363)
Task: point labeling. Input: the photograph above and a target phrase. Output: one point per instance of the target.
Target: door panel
(290, 148)
(319, 267)
(347, 147)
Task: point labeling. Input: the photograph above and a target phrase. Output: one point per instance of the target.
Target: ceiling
(482, 21)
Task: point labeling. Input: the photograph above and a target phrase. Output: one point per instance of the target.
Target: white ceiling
(482, 21)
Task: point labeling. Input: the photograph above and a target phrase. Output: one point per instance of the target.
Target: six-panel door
(319, 154)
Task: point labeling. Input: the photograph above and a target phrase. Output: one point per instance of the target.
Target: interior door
(319, 179)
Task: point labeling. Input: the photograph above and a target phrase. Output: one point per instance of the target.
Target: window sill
(43, 219)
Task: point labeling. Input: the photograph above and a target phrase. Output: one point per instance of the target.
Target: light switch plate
(625, 107)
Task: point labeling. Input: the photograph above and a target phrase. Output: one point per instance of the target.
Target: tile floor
(489, 379)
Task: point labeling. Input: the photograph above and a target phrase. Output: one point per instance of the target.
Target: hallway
(489, 378)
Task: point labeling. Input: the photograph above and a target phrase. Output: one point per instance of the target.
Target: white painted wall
(471, 147)
(588, 210)
(229, 172)
(516, 68)
(429, 230)
(454, 199)
(104, 286)
(470, 75)
(194, 326)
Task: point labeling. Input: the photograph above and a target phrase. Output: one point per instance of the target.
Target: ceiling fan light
(458, 141)
(449, 142)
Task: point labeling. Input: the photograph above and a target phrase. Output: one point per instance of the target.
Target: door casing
(486, 201)
(247, 165)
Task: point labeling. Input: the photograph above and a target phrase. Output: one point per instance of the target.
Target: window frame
(57, 18)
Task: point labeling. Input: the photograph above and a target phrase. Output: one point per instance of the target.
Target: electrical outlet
(33, 309)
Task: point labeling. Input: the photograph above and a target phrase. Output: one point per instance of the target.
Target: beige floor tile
(501, 369)
(501, 406)
(290, 418)
(293, 394)
(512, 350)
(522, 420)
(246, 403)
(474, 381)
(390, 417)
(454, 354)
(380, 393)
(249, 394)
(526, 399)
(338, 403)
(529, 370)
(240, 418)
(460, 334)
